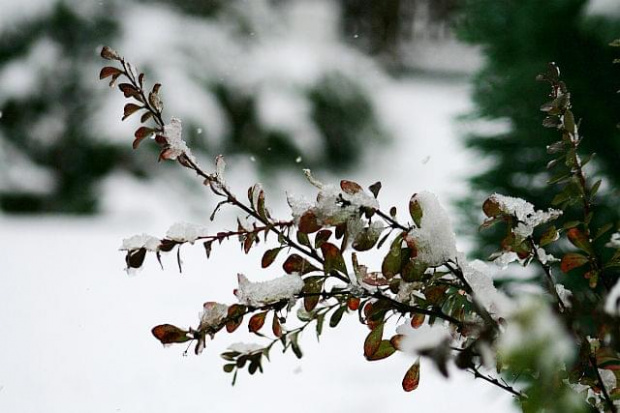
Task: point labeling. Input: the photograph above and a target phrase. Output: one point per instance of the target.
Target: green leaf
(321, 237)
(413, 270)
(415, 210)
(602, 230)
(295, 345)
(228, 368)
(412, 377)
(334, 320)
(392, 262)
(385, 350)
(366, 239)
(549, 236)
(303, 239)
(595, 188)
(373, 340)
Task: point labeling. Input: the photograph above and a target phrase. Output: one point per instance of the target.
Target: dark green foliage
(518, 38)
(77, 160)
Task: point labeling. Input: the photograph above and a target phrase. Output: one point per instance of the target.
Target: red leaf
(308, 223)
(167, 334)
(235, 317)
(276, 328)
(412, 377)
(130, 90)
(295, 263)
(417, 320)
(350, 187)
(579, 240)
(256, 322)
(571, 261)
(333, 258)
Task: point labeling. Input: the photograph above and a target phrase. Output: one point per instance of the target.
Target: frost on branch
(137, 242)
(185, 232)
(258, 294)
(175, 145)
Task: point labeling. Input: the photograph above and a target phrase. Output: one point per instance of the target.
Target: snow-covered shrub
(556, 350)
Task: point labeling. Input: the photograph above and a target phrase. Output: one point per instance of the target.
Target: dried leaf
(142, 133)
(298, 264)
(109, 71)
(109, 54)
(168, 334)
(350, 187)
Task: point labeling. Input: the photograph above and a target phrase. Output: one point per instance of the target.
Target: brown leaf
(130, 90)
(256, 322)
(269, 257)
(353, 303)
(168, 334)
(412, 377)
(579, 240)
(130, 109)
(417, 320)
(350, 187)
(235, 317)
(333, 258)
(142, 133)
(295, 263)
(109, 54)
(109, 71)
(308, 223)
(276, 328)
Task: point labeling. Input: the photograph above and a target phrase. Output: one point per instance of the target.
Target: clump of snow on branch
(333, 206)
(435, 240)
(565, 294)
(426, 337)
(545, 258)
(612, 303)
(258, 294)
(525, 213)
(185, 232)
(212, 314)
(506, 258)
(614, 242)
(245, 348)
(478, 276)
(173, 132)
(534, 332)
(137, 242)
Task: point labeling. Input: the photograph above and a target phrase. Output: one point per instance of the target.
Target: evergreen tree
(518, 37)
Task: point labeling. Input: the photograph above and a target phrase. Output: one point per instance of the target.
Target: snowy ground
(75, 327)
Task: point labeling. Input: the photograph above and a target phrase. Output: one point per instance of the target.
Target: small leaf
(109, 54)
(298, 264)
(375, 188)
(228, 368)
(491, 208)
(312, 286)
(385, 350)
(308, 222)
(208, 246)
(168, 334)
(145, 116)
(321, 237)
(142, 133)
(580, 240)
(130, 90)
(366, 239)
(334, 320)
(350, 187)
(572, 260)
(412, 377)
(549, 236)
(235, 317)
(373, 340)
(269, 257)
(415, 210)
(135, 258)
(595, 188)
(256, 322)
(109, 71)
(276, 328)
(333, 258)
(130, 109)
(417, 320)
